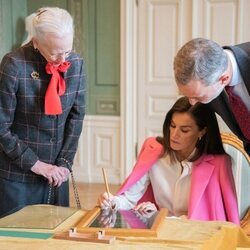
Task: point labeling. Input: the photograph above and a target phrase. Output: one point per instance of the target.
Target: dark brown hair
(204, 117)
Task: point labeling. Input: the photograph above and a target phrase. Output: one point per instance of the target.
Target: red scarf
(55, 89)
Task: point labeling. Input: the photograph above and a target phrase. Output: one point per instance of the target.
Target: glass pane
(123, 219)
(37, 217)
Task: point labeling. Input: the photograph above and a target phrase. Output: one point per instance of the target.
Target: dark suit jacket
(221, 106)
(26, 133)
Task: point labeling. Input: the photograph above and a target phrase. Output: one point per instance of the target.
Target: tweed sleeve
(15, 149)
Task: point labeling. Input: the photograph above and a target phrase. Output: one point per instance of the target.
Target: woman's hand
(55, 175)
(145, 208)
(106, 201)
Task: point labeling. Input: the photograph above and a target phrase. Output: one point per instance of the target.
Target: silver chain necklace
(51, 188)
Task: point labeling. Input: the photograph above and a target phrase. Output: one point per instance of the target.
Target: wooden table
(174, 234)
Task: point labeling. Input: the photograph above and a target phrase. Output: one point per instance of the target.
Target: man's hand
(55, 175)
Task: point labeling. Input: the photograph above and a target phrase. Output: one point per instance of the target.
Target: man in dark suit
(42, 107)
(207, 73)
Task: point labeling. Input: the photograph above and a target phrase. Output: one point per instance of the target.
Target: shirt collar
(236, 78)
(187, 162)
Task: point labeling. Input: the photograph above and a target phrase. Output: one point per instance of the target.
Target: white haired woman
(42, 107)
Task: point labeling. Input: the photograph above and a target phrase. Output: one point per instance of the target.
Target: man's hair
(204, 117)
(200, 59)
(49, 20)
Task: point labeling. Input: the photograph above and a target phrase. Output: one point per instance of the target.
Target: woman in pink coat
(187, 170)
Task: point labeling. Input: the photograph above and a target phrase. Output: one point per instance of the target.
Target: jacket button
(52, 140)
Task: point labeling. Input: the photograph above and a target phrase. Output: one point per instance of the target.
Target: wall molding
(99, 146)
(128, 88)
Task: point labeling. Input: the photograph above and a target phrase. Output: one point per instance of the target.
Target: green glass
(37, 217)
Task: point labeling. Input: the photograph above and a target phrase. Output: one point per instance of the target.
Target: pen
(105, 180)
(106, 184)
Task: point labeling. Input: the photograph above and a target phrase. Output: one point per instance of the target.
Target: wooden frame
(233, 140)
(83, 226)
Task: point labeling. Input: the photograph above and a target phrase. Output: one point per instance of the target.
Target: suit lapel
(221, 106)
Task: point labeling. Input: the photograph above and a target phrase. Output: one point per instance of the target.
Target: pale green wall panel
(19, 12)
(12, 26)
(107, 37)
(104, 57)
(34, 5)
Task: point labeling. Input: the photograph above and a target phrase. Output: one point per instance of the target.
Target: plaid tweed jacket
(26, 133)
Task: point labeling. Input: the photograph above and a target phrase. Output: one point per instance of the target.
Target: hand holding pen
(106, 200)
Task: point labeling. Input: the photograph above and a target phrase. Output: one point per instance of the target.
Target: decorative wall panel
(99, 147)
(163, 24)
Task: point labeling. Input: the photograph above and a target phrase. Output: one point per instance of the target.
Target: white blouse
(171, 187)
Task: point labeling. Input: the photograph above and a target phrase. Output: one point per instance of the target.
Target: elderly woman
(42, 95)
(186, 171)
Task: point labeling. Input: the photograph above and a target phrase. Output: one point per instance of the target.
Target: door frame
(128, 91)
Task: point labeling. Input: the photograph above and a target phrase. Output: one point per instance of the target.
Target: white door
(163, 25)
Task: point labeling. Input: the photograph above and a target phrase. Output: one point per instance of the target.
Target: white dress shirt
(170, 183)
(237, 81)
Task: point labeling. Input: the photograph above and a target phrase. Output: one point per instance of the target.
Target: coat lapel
(150, 153)
(201, 174)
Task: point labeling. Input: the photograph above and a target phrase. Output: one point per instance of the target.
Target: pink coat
(212, 194)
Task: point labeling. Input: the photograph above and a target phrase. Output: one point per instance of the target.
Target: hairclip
(40, 11)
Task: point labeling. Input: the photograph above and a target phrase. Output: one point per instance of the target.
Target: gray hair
(200, 59)
(48, 20)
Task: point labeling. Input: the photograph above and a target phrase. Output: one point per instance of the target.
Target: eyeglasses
(59, 55)
(51, 56)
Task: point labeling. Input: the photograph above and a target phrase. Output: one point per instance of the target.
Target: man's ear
(224, 79)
